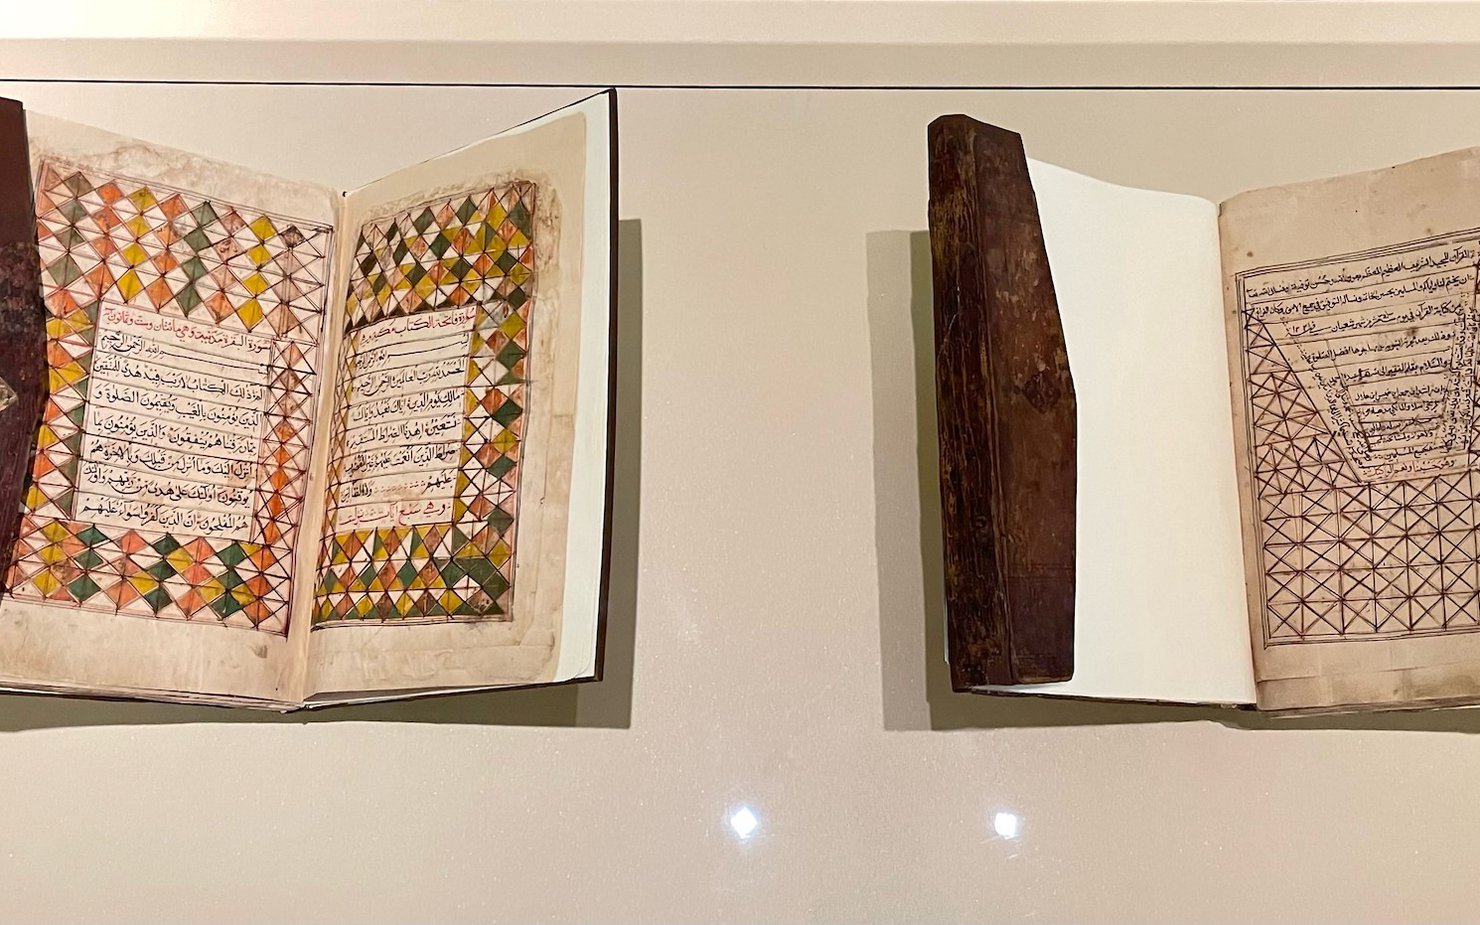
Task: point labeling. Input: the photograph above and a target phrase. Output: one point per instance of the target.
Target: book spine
(1006, 413)
(22, 328)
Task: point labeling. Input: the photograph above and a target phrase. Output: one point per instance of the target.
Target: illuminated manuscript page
(185, 307)
(1352, 318)
(450, 432)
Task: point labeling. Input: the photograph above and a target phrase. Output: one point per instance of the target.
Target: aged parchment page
(186, 304)
(1351, 316)
(1159, 609)
(466, 368)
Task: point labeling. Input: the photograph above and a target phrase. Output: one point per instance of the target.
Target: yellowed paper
(1352, 324)
(185, 311)
(448, 462)
(284, 462)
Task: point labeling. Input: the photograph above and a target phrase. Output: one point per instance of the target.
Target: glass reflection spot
(1007, 825)
(743, 822)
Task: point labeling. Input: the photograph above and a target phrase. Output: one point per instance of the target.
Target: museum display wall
(775, 738)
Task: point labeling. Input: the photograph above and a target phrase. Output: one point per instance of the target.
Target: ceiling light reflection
(744, 822)
(1007, 825)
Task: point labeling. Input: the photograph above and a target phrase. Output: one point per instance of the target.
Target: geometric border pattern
(106, 239)
(473, 249)
(1345, 558)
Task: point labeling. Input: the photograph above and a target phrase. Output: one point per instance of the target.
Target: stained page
(1352, 318)
(185, 309)
(1159, 610)
(458, 491)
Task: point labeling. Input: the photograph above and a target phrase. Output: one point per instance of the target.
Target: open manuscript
(302, 446)
(1321, 552)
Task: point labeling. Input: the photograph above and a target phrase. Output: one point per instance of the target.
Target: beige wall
(774, 641)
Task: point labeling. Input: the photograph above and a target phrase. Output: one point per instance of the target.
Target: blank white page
(1160, 612)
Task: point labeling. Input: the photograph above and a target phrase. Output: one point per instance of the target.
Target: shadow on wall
(917, 691)
(605, 704)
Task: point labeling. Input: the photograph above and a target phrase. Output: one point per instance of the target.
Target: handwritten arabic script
(1386, 346)
(403, 421)
(173, 425)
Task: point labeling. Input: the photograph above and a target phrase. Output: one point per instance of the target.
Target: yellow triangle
(134, 254)
(263, 228)
(250, 313)
(129, 285)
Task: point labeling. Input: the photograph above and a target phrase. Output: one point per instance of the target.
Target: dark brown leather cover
(1007, 413)
(22, 327)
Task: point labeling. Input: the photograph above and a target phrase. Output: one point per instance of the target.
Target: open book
(302, 446)
(1305, 540)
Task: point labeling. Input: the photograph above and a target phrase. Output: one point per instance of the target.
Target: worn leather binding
(1006, 410)
(22, 327)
